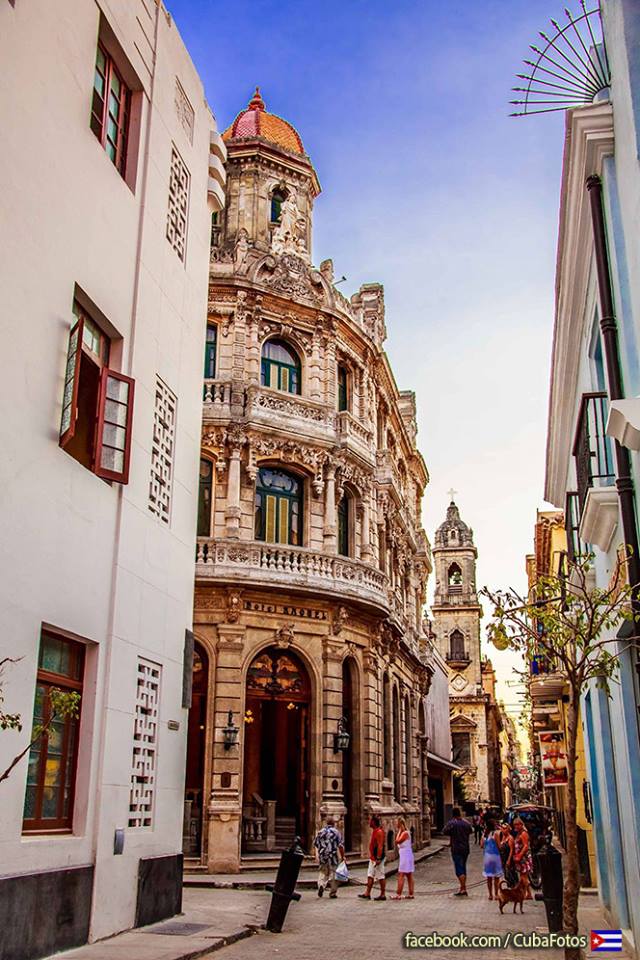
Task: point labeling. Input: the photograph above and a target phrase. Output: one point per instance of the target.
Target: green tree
(63, 705)
(572, 624)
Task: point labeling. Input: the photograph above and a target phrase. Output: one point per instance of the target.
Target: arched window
(210, 351)
(278, 507)
(455, 575)
(278, 197)
(205, 491)
(280, 367)
(345, 512)
(343, 387)
(456, 645)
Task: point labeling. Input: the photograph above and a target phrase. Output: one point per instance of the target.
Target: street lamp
(230, 733)
(342, 738)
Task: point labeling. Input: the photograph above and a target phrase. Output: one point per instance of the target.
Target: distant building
(474, 717)
(438, 740)
(111, 167)
(510, 759)
(311, 664)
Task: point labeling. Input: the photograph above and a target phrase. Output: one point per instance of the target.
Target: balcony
(355, 436)
(459, 657)
(216, 397)
(597, 496)
(290, 412)
(291, 568)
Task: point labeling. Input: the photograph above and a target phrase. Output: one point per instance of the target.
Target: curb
(220, 942)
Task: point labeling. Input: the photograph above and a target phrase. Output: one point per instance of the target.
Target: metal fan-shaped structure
(571, 69)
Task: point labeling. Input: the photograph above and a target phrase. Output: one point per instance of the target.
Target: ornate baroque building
(475, 719)
(312, 562)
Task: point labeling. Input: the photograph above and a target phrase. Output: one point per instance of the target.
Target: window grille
(178, 211)
(145, 744)
(162, 451)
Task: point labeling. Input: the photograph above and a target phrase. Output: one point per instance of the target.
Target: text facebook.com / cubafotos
(496, 941)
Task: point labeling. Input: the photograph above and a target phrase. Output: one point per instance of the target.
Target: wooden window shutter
(71, 378)
(113, 431)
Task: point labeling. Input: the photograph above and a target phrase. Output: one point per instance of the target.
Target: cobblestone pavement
(351, 929)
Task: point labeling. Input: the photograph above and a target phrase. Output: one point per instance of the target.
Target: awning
(442, 762)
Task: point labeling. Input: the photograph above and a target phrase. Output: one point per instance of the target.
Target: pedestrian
(329, 852)
(522, 856)
(491, 862)
(375, 872)
(507, 846)
(406, 865)
(477, 827)
(458, 830)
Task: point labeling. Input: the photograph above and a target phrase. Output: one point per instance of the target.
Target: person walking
(329, 852)
(477, 827)
(506, 844)
(375, 872)
(522, 856)
(406, 866)
(458, 830)
(491, 862)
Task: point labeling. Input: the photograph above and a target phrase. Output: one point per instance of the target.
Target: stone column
(330, 521)
(366, 527)
(253, 350)
(225, 804)
(332, 785)
(314, 365)
(373, 736)
(233, 510)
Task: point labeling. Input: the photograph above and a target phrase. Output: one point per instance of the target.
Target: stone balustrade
(356, 435)
(216, 395)
(294, 568)
(300, 415)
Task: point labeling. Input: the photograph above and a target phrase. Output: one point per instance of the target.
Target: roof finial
(452, 494)
(256, 102)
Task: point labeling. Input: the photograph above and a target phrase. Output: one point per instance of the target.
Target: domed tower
(271, 184)
(456, 624)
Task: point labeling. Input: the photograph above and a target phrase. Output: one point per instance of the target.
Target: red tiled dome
(256, 122)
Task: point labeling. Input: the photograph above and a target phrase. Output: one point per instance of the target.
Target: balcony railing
(592, 448)
(216, 394)
(295, 568)
(457, 656)
(289, 410)
(572, 525)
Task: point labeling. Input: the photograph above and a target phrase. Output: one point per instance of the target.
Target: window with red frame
(110, 109)
(97, 403)
(48, 802)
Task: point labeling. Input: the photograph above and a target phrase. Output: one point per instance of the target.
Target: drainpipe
(609, 329)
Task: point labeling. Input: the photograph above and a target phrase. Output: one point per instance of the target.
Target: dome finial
(256, 102)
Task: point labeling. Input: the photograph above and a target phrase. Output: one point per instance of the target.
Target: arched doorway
(194, 778)
(351, 756)
(275, 804)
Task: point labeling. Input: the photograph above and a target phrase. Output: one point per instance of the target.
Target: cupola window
(455, 575)
(278, 513)
(278, 197)
(280, 367)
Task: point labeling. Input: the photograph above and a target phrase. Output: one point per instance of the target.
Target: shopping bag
(342, 872)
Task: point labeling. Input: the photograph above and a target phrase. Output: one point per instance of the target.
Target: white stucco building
(592, 445)
(111, 167)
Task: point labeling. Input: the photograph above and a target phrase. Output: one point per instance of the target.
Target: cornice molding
(589, 139)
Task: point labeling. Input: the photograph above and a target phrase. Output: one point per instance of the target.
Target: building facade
(474, 718)
(311, 657)
(592, 443)
(439, 750)
(111, 166)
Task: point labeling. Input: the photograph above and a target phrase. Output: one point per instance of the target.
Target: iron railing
(592, 448)
(572, 525)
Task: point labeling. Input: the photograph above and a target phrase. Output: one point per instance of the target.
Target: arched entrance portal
(275, 803)
(194, 779)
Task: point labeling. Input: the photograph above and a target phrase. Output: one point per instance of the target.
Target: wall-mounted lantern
(230, 732)
(342, 738)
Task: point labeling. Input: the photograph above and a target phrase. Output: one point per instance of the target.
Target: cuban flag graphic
(606, 941)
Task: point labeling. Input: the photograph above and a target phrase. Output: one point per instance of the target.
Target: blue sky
(431, 189)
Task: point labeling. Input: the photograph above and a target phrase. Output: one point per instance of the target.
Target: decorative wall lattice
(162, 447)
(178, 211)
(184, 110)
(145, 744)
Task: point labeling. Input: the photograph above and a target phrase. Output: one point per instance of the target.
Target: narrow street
(349, 928)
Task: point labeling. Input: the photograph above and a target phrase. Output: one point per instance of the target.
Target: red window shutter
(113, 431)
(71, 378)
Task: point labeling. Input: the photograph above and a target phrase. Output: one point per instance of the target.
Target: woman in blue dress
(492, 862)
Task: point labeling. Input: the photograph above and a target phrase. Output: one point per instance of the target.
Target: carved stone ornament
(234, 605)
(291, 276)
(340, 619)
(284, 636)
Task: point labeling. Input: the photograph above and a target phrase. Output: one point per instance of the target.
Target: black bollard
(283, 890)
(550, 861)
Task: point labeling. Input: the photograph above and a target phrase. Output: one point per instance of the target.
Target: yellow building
(550, 693)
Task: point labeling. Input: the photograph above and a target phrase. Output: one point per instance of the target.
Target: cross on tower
(452, 494)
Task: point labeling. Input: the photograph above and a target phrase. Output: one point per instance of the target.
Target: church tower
(456, 624)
